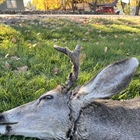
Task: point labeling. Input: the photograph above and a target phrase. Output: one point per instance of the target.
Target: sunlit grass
(30, 43)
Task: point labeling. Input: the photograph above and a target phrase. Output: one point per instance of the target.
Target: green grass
(103, 42)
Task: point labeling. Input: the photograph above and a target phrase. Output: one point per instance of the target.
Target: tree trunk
(123, 5)
(73, 7)
(95, 6)
(137, 8)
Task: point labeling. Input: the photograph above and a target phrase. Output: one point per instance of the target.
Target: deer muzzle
(5, 126)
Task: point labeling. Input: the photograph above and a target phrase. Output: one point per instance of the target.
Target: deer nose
(1, 118)
(4, 122)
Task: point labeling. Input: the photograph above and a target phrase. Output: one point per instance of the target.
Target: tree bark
(95, 6)
(73, 7)
(137, 8)
(123, 5)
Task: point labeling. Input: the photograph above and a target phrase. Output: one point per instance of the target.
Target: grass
(30, 43)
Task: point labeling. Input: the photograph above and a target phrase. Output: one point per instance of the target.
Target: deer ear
(111, 80)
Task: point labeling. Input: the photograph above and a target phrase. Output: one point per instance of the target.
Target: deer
(71, 112)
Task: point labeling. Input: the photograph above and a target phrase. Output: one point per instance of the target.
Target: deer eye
(46, 97)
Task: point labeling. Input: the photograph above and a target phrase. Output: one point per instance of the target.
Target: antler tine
(75, 60)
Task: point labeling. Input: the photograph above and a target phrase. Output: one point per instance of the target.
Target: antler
(74, 58)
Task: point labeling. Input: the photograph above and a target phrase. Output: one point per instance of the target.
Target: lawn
(29, 66)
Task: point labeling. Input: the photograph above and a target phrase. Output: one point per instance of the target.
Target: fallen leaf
(99, 31)
(74, 36)
(55, 70)
(20, 25)
(27, 31)
(14, 58)
(54, 40)
(97, 43)
(100, 36)
(87, 33)
(14, 40)
(38, 34)
(6, 55)
(105, 49)
(7, 66)
(121, 43)
(71, 30)
(135, 39)
(131, 34)
(53, 30)
(29, 45)
(84, 39)
(85, 21)
(34, 45)
(40, 22)
(22, 69)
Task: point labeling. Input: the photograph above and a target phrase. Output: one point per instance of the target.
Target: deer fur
(81, 113)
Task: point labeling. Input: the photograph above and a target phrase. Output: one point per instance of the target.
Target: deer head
(55, 113)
